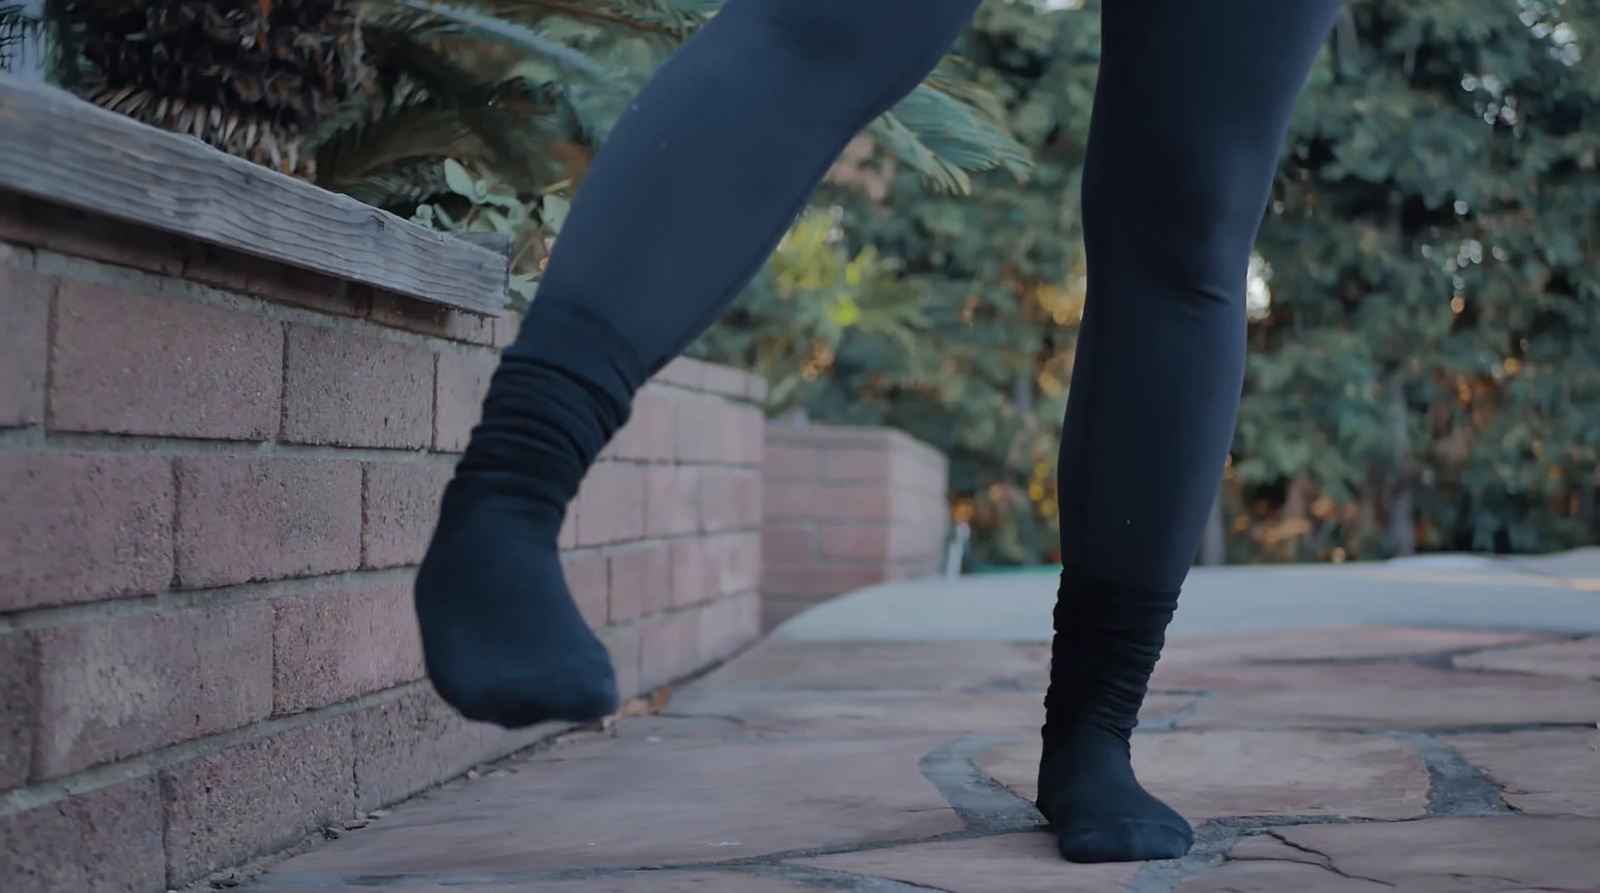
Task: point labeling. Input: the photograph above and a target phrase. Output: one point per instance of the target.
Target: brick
(669, 647)
(623, 645)
(791, 464)
(683, 372)
(459, 389)
(735, 562)
(641, 580)
(693, 573)
(752, 501)
(408, 744)
(728, 625)
(24, 344)
(400, 506)
(831, 503)
(352, 390)
(19, 704)
(651, 433)
(78, 528)
(859, 542)
(852, 466)
(127, 363)
(426, 318)
(755, 390)
(505, 329)
(612, 500)
(336, 645)
(242, 520)
(225, 808)
(784, 578)
(567, 537)
(702, 428)
(729, 499)
(747, 434)
(724, 380)
(671, 500)
(788, 540)
(128, 685)
(588, 580)
(104, 841)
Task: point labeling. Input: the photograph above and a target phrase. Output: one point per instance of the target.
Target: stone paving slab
(1580, 659)
(1014, 863)
(1377, 695)
(1339, 760)
(1216, 774)
(631, 882)
(1551, 772)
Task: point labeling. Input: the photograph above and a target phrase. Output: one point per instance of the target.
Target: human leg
(688, 197)
(1191, 109)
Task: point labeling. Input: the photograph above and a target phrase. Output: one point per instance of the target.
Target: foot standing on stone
(692, 192)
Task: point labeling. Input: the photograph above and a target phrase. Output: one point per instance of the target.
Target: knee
(1186, 212)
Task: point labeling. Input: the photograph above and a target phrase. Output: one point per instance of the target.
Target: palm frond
(945, 118)
(644, 16)
(426, 17)
(905, 144)
(399, 187)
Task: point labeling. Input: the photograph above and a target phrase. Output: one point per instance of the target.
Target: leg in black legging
(688, 197)
(1191, 109)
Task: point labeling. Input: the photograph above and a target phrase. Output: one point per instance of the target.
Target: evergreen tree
(1427, 374)
(1424, 370)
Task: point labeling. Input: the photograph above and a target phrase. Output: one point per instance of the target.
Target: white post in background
(958, 550)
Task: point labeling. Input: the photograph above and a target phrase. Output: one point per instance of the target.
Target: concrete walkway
(1427, 727)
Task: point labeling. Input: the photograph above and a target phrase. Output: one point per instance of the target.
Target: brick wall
(846, 508)
(216, 475)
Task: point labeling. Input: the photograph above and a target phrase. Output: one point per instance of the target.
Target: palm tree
(373, 97)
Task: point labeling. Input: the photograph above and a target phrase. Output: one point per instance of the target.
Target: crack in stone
(319, 881)
(1327, 860)
(982, 803)
(1212, 840)
(1456, 788)
(828, 879)
(735, 720)
(1169, 722)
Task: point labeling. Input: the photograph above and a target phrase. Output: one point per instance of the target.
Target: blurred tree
(1424, 370)
(970, 346)
(1426, 374)
(373, 97)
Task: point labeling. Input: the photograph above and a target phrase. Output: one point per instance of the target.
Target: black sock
(1107, 641)
(503, 641)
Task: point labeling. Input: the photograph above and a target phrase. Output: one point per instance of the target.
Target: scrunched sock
(1107, 640)
(502, 638)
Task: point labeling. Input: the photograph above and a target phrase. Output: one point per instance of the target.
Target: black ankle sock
(503, 641)
(1107, 641)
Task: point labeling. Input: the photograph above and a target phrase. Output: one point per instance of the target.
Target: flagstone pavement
(1454, 752)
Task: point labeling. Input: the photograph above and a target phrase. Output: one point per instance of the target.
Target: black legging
(718, 154)
(689, 196)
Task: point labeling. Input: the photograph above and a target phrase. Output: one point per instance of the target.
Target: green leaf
(460, 182)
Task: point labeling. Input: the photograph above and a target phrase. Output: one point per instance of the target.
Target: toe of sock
(1134, 840)
(516, 704)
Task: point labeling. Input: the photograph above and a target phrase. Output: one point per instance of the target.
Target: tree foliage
(1424, 370)
(974, 349)
(1427, 375)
